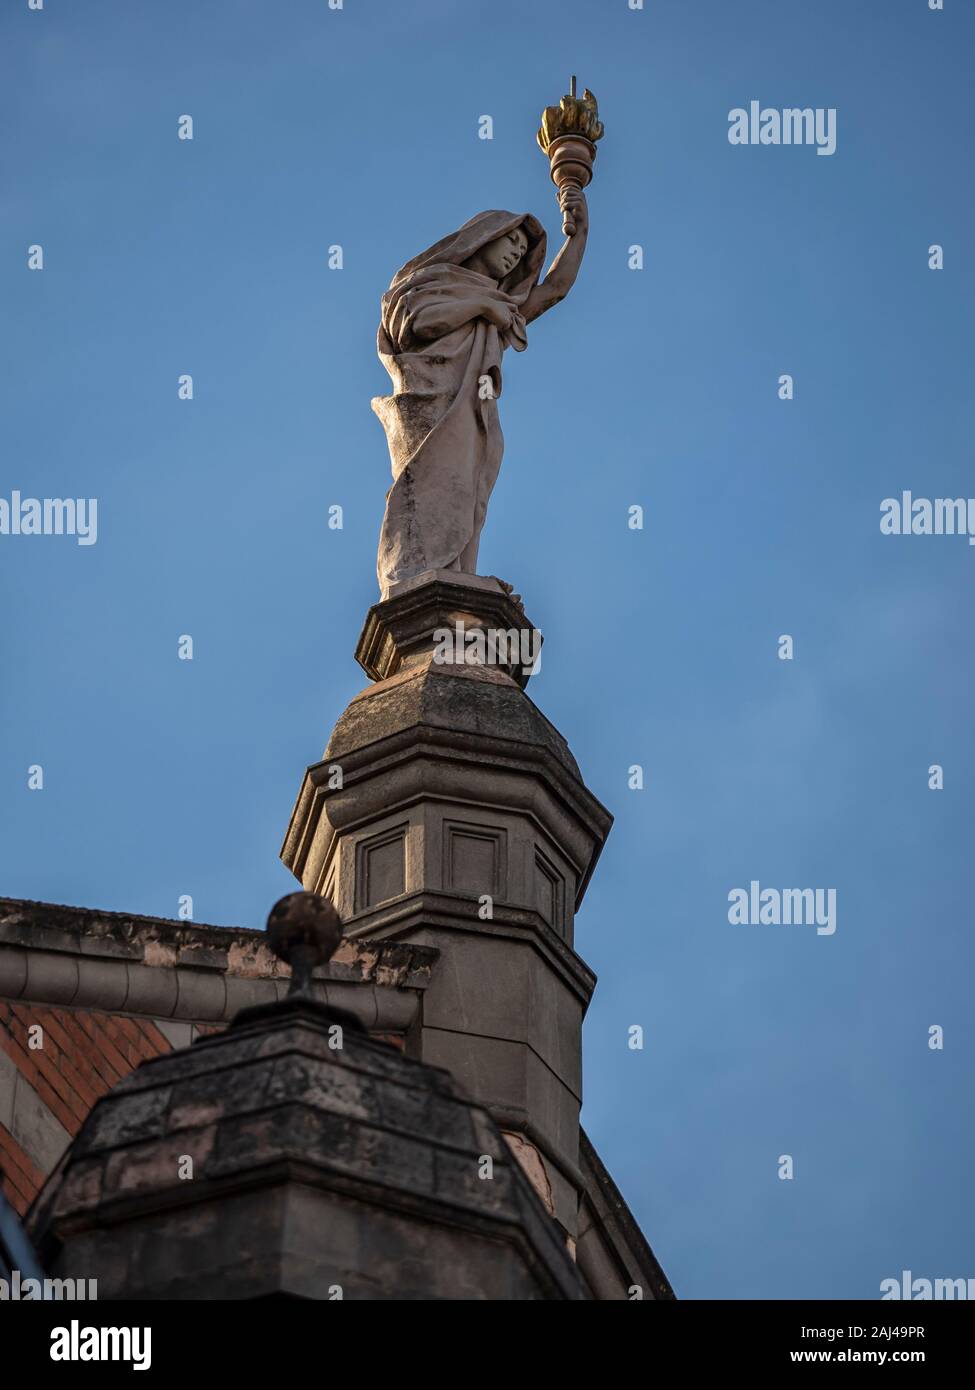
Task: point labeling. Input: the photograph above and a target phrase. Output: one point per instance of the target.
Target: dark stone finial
(304, 930)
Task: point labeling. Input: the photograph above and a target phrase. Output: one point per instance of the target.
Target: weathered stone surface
(313, 1168)
(194, 974)
(476, 700)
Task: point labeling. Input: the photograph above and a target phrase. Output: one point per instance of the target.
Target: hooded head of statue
(495, 254)
(507, 247)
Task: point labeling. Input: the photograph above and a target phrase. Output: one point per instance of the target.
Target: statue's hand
(499, 313)
(573, 201)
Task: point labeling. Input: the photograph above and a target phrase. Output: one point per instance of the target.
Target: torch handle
(571, 158)
(568, 222)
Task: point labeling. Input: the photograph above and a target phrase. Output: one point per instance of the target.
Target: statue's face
(500, 256)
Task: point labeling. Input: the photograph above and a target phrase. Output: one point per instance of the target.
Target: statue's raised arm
(564, 269)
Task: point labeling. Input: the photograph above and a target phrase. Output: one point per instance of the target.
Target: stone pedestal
(449, 812)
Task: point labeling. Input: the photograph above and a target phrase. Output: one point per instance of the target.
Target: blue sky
(655, 387)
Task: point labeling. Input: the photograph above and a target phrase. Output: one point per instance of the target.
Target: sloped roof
(612, 1252)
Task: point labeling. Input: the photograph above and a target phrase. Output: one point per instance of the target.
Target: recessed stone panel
(549, 892)
(474, 859)
(380, 868)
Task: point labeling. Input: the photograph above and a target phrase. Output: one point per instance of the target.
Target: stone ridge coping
(617, 1226)
(121, 962)
(154, 941)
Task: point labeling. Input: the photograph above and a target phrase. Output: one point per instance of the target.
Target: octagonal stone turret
(448, 811)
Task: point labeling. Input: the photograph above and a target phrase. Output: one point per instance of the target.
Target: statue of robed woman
(446, 320)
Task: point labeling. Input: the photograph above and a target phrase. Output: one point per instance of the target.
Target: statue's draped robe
(442, 425)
